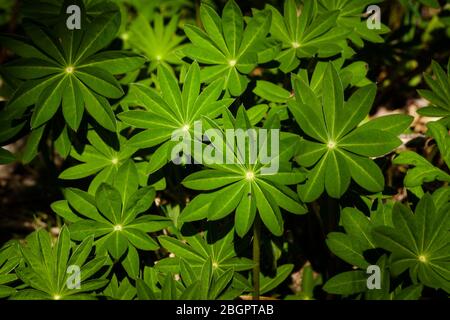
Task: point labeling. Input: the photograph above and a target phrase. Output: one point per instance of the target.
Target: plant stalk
(256, 256)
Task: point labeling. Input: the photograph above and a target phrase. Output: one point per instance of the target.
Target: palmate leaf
(159, 43)
(62, 67)
(304, 34)
(246, 185)
(419, 242)
(45, 271)
(114, 217)
(230, 50)
(171, 112)
(438, 96)
(340, 151)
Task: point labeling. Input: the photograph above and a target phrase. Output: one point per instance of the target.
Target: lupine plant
(189, 147)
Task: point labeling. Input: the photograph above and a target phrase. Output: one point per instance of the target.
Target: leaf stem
(256, 256)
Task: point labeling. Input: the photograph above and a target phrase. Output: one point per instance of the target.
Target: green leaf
(22, 48)
(213, 26)
(268, 211)
(170, 90)
(63, 210)
(100, 81)
(256, 30)
(365, 172)
(115, 62)
(349, 282)
(282, 272)
(226, 201)
(98, 108)
(72, 104)
(48, 102)
(140, 240)
(31, 68)
(418, 242)
(394, 124)
(337, 175)
(126, 180)
(233, 26)
(179, 249)
(271, 92)
(355, 109)
(198, 208)
(314, 186)
(345, 248)
(210, 179)
(83, 203)
(31, 150)
(333, 98)
(98, 34)
(245, 212)
(424, 171)
(369, 142)
(109, 202)
(117, 244)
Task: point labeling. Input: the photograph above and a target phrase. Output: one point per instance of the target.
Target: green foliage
(9, 259)
(340, 151)
(245, 187)
(135, 148)
(197, 249)
(305, 33)
(159, 44)
(45, 265)
(114, 217)
(439, 95)
(229, 50)
(419, 242)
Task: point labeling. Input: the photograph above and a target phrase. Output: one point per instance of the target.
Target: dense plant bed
(225, 150)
